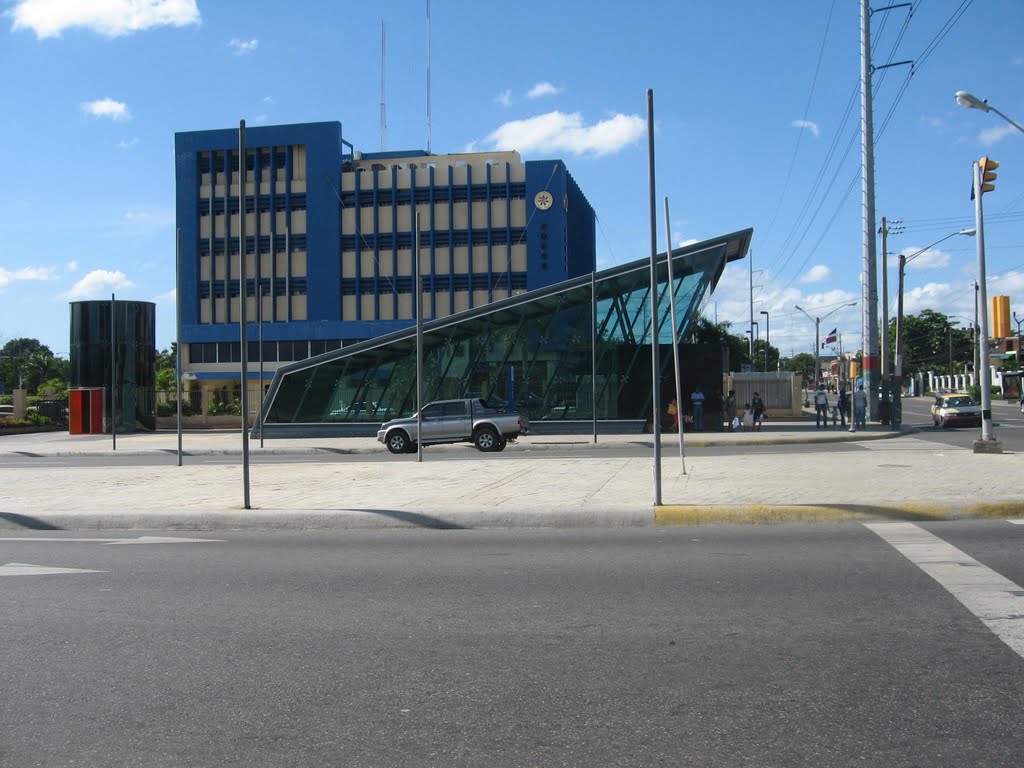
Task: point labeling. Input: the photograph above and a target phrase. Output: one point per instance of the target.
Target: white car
(956, 409)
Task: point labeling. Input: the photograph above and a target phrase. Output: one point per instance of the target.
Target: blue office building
(329, 240)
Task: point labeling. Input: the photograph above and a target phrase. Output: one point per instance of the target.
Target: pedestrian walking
(673, 411)
(748, 417)
(844, 405)
(757, 406)
(860, 407)
(730, 409)
(697, 406)
(821, 407)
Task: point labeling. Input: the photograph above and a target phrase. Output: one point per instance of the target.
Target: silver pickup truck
(455, 421)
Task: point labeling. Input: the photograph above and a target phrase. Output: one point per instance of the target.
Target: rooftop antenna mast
(383, 108)
(428, 77)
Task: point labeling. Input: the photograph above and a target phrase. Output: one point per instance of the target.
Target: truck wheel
(502, 442)
(398, 442)
(486, 439)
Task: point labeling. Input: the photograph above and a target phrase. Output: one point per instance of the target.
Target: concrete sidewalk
(527, 485)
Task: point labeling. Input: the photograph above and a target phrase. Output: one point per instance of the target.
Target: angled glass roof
(577, 350)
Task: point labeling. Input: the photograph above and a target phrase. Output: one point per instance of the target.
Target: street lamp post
(767, 337)
(897, 385)
(970, 101)
(817, 336)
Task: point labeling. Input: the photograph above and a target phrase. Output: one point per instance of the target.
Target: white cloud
(98, 284)
(115, 110)
(110, 18)
(242, 47)
(559, 132)
(504, 98)
(684, 243)
(809, 125)
(933, 258)
(170, 297)
(991, 136)
(929, 296)
(268, 99)
(128, 143)
(72, 266)
(816, 274)
(25, 273)
(932, 122)
(541, 90)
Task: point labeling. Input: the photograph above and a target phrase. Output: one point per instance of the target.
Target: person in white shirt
(821, 407)
(860, 408)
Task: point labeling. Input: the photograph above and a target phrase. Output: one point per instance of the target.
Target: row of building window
(220, 289)
(296, 202)
(384, 196)
(220, 245)
(273, 351)
(250, 160)
(439, 283)
(439, 238)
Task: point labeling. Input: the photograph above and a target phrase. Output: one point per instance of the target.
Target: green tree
(27, 363)
(931, 342)
(802, 364)
(703, 331)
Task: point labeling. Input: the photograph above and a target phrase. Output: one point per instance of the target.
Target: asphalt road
(758, 646)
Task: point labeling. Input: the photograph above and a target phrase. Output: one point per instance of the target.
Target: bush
(231, 408)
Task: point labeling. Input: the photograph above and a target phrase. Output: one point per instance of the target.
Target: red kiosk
(85, 410)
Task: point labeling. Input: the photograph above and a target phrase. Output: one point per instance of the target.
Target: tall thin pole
(987, 433)
(113, 375)
(419, 338)
(383, 112)
(655, 362)
(259, 317)
(974, 337)
(243, 299)
(750, 264)
(886, 362)
(593, 350)
(817, 352)
(177, 353)
(870, 285)
(428, 77)
(675, 334)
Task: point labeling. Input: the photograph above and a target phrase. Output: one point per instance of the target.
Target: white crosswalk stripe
(993, 598)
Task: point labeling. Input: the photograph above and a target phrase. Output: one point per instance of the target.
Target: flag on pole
(830, 338)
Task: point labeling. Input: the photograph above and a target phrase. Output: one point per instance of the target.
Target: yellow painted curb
(752, 514)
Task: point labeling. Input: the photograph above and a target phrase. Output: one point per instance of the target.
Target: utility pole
(869, 290)
(869, 284)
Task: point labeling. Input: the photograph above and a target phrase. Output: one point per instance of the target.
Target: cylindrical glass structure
(134, 359)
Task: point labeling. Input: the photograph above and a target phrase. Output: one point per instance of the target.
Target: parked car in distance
(956, 409)
(455, 421)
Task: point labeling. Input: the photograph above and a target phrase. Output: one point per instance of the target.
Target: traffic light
(988, 174)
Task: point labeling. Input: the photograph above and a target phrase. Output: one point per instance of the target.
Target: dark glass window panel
(535, 355)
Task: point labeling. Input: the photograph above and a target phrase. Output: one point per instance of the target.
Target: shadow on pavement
(414, 518)
(24, 521)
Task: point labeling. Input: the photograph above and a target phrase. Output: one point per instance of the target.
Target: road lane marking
(27, 569)
(136, 540)
(1016, 522)
(993, 598)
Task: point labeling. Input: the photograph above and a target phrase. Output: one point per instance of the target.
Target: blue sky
(749, 98)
